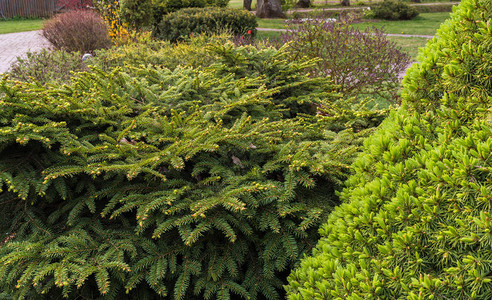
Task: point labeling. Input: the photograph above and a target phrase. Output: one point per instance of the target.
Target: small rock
(86, 56)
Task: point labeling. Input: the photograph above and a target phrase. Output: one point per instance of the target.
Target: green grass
(271, 23)
(10, 26)
(410, 45)
(263, 35)
(423, 24)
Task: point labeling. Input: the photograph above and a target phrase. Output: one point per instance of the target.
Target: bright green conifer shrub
(209, 20)
(416, 218)
(183, 184)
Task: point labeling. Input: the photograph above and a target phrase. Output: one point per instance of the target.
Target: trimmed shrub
(163, 7)
(218, 3)
(209, 20)
(416, 218)
(435, 7)
(78, 30)
(48, 66)
(393, 10)
(137, 13)
(372, 69)
(185, 184)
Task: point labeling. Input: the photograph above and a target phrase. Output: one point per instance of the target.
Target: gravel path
(17, 44)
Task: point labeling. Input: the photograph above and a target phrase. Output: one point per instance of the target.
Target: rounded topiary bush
(393, 10)
(416, 219)
(209, 20)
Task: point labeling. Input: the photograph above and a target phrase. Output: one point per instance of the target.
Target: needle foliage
(186, 184)
(416, 218)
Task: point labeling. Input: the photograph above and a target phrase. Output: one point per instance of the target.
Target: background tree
(303, 3)
(269, 9)
(247, 4)
(137, 13)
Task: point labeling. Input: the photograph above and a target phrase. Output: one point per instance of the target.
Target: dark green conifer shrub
(184, 184)
(209, 20)
(416, 218)
(190, 53)
(393, 10)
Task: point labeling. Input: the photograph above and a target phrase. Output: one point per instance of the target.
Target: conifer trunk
(269, 9)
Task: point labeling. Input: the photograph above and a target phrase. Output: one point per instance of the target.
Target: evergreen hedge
(179, 25)
(416, 218)
(184, 184)
(393, 10)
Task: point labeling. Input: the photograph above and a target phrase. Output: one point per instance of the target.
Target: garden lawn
(263, 35)
(11, 26)
(410, 45)
(423, 24)
(272, 23)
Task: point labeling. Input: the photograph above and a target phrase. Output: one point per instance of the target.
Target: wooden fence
(27, 8)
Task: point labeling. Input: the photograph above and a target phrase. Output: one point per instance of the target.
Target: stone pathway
(17, 44)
